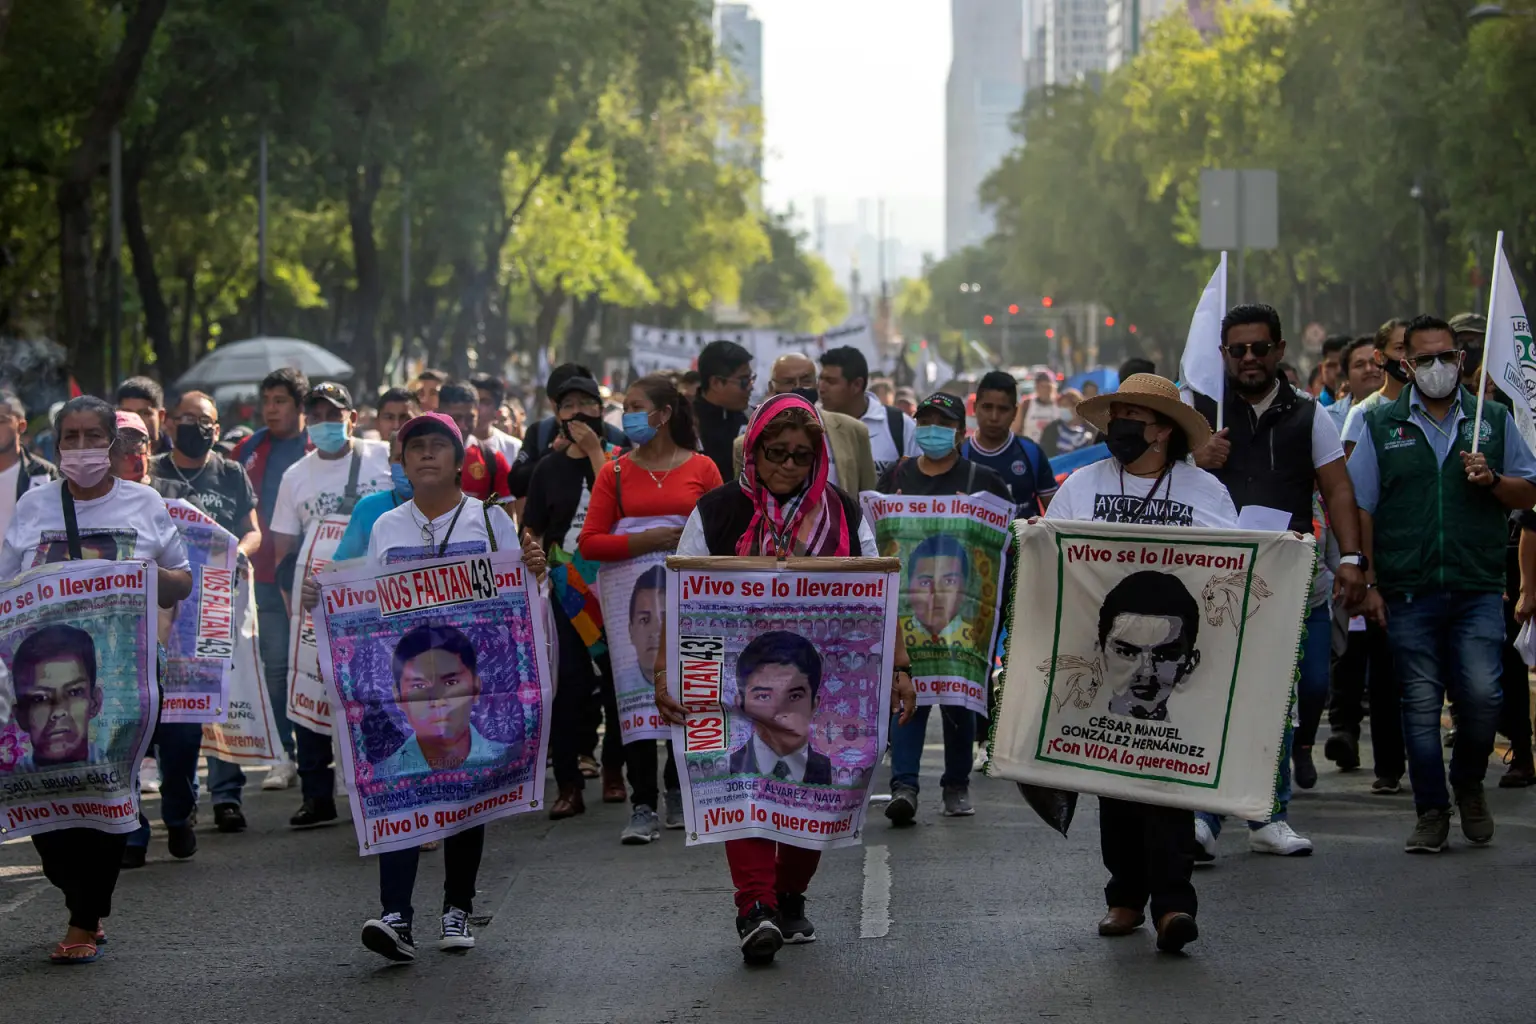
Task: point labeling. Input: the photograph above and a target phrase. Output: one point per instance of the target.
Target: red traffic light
(1109, 321)
(1132, 328)
(1047, 302)
(1013, 310)
(987, 319)
(1050, 332)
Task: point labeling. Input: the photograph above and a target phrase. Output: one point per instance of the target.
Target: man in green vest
(1434, 527)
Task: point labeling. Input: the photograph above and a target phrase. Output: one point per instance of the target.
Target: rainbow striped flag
(574, 580)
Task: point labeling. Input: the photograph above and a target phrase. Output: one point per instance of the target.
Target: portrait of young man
(1148, 625)
(437, 683)
(57, 697)
(778, 676)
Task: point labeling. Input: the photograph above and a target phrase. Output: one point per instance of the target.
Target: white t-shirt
(501, 442)
(8, 479)
(399, 534)
(312, 487)
(882, 446)
(1040, 415)
(129, 521)
(1102, 492)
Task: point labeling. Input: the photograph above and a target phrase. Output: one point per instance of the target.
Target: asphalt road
(989, 918)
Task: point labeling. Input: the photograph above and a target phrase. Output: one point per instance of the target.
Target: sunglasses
(1424, 362)
(778, 455)
(1260, 349)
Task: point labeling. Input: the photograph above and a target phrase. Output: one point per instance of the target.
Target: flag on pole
(1201, 368)
(1510, 356)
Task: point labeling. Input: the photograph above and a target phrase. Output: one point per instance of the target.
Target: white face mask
(1438, 380)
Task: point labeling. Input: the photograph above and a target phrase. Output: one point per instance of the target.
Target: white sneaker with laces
(1280, 839)
(282, 775)
(456, 934)
(1205, 838)
(149, 776)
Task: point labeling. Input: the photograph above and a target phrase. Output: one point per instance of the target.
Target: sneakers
(1476, 820)
(1432, 834)
(957, 802)
(282, 776)
(149, 775)
(1343, 749)
(793, 924)
(1280, 839)
(390, 937)
(134, 857)
(1302, 768)
(457, 938)
(674, 818)
(980, 763)
(181, 840)
(1205, 841)
(903, 806)
(313, 813)
(1386, 787)
(228, 818)
(759, 934)
(644, 827)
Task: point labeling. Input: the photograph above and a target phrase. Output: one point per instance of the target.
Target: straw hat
(1149, 391)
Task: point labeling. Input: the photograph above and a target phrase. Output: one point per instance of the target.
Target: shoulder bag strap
(349, 496)
(71, 527)
(970, 476)
(490, 534)
(618, 487)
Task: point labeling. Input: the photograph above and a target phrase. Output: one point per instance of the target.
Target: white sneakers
(282, 775)
(1279, 839)
(1206, 840)
(149, 775)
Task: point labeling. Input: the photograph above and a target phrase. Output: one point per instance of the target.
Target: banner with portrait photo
(200, 647)
(634, 599)
(784, 675)
(1152, 663)
(951, 550)
(247, 734)
(78, 695)
(440, 672)
(309, 703)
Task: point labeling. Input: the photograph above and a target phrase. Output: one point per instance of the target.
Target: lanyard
(1167, 473)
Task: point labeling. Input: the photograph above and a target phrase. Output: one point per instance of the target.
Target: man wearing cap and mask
(853, 463)
(545, 435)
(1471, 330)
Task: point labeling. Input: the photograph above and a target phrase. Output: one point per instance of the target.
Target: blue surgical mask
(397, 477)
(328, 437)
(936, 442)
(637, 427)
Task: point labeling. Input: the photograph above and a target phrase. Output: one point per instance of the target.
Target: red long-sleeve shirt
(678, 493)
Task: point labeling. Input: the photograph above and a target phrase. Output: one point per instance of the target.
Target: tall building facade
(1074, 40)
(984, 92)
(740, 38)
(1129, 21)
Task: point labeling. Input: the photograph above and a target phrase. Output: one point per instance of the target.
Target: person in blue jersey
(1019, 461)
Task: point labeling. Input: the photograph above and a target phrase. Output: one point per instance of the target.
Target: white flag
(1510, 358)
(1201, 368)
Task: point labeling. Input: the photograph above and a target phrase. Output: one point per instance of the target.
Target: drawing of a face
(1147, 630)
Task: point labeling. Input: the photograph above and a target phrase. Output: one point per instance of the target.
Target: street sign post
(1239, 210)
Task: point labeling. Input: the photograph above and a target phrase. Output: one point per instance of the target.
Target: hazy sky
(853, 97)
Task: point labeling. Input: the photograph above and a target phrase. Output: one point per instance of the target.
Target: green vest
(1433, 529)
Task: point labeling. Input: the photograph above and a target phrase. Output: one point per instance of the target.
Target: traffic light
(1050, 332)
(987, 319)
(1013, 310)
(1132, 328)
(1047, 302)
(1109, 321)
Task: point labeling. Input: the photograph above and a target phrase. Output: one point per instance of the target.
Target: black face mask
(594, 423)
(809, 394)
(193, 440)
(1394, 369)
(1127, 440)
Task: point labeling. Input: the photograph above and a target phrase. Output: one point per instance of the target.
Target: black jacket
(818, 766)
(31, 467)
(726, 513)
(1271, 459)
(718, 430)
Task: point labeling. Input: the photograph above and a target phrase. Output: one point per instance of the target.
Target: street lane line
(15, 904)
(877, 893)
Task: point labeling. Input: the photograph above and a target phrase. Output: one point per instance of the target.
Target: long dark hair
(663, 393)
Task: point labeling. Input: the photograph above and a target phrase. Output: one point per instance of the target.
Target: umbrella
(247, 362)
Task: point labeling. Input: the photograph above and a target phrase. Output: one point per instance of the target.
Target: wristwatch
(1355, 558)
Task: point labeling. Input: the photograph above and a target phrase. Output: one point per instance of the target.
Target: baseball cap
(1469, 322)
(131, 421)
(432, 423)
(560, 374)
(586, 385)
(329, 391)
(944, 403)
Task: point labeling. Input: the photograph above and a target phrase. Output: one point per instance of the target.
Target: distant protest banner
(309, 703)
(951, 551)
(784, 675)
(441, 674)
(657, 349)
(248, 732)
(77, 640)
(200, 650)
(1152, 663)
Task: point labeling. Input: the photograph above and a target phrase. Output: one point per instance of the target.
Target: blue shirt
(1365, 474)
(1024, 468)
(409, 759)
(354, 542)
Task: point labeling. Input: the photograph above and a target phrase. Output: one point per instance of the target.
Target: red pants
(762, 868)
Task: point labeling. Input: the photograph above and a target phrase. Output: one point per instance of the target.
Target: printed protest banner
(1152, 663)
(77, 642)
(200, 650)
(784, 674)
(248, 733)
(309, 703)
(634, 599)
(440, 671)
(951, 551)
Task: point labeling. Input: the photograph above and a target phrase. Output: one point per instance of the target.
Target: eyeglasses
(189, 420)
(1260, 349)
(745, 383)
(778, 455)
(1449, 357)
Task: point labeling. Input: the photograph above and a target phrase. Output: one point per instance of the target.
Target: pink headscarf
(808, 523)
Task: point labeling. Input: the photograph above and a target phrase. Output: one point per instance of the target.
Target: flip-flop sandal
(60, 954)
(101, 936)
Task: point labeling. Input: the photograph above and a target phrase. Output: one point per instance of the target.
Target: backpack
(896, 422)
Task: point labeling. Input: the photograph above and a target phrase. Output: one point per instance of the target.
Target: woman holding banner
(99, 516)
(781, 505)
(638, 507)
(1147, 849)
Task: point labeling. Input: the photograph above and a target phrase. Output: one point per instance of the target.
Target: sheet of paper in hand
(248, 732)
(951, 551)
(309, 704)
(77, 640)
(200, 651)
(785, 678)
(1152, 663)
(439, 671)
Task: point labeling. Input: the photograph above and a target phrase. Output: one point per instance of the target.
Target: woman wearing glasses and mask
(639, 506)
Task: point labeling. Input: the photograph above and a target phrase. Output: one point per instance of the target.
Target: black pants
(461, 866)
(84, 863)
(640, 762)
(1367, 664)
(317, 773)
(1148, 853)
(1515, 712)
(583, 685)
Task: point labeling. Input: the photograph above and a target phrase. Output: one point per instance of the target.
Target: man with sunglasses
(1277, 447)
(1434, 517)
(725, 390)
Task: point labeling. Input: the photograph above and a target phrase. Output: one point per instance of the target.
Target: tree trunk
(362, 191)
(583, 313)
(188, 307)
(5, 20)
(550, 304)
(157, 314)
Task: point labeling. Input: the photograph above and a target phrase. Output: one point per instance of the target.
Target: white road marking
(877, 893)
(18, 901)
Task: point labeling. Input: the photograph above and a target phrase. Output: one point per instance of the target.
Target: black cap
(331, 392)
(586, 385)
(944, 403)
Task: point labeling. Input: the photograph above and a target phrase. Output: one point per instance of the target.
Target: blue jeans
(317, 777)
(907, 746)
(176, 748)
(226, 781)
(272, 640)
(1447, 641)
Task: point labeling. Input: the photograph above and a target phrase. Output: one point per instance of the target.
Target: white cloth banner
(652, 349)
(1201, 367)
(248, 735)
(1152, 663)
(1510, 358)
(309, 703)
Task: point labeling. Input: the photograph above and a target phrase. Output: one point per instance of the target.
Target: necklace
(663, 479)
(195, 476)
(429, 532)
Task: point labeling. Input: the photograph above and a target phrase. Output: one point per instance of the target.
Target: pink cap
(433, 423)
(131, 421)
